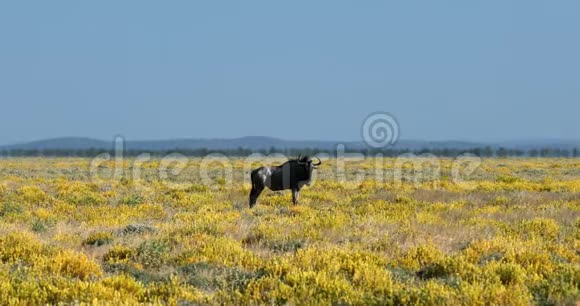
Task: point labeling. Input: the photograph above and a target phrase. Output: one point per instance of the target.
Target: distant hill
(264, 143)
(64, 143)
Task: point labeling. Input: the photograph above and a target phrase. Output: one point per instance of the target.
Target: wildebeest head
(307, 164)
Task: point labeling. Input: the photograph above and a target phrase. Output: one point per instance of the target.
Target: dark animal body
(292, 174)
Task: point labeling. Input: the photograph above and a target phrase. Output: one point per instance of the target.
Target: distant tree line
(481, 152)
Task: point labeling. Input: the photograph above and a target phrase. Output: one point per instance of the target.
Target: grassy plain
(509, 234)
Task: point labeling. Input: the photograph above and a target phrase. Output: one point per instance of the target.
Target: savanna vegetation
(509, 233)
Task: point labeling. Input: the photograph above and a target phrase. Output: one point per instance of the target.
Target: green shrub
(211, 277)
(151, 254)
(132, 199)
(10, 208)
(98, 239)
(39, 225)
(138, 229)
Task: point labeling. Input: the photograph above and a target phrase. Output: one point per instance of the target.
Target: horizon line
(480, 142)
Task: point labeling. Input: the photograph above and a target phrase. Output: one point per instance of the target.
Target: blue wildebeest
(292, 174)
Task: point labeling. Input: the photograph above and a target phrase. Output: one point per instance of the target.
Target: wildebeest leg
(254, 194)
(295, 196)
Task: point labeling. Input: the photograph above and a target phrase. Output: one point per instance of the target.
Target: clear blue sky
(467, 70)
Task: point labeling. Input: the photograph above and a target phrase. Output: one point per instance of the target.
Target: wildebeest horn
(319, 161)
(299, 160)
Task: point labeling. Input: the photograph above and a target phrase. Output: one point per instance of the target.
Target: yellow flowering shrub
(508, 235)
(70, 264)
